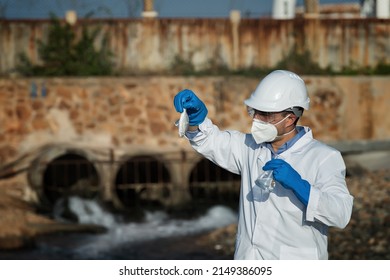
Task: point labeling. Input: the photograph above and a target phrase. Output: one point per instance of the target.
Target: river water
(157, 236)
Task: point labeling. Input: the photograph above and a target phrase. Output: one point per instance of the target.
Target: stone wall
(138, 113)
(109, 120)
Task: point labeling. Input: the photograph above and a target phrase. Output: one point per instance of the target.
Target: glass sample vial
(266, 181)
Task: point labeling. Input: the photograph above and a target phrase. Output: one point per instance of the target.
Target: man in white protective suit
(287, 215)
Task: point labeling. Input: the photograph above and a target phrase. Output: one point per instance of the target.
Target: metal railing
(138, 180)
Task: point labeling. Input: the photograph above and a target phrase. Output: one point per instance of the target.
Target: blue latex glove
(196, 110)
(289, 178)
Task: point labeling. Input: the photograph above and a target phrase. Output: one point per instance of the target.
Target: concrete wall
(152, 45)
(103, 118)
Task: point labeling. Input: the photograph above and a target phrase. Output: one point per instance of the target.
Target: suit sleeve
(224, 148)
(330, 201)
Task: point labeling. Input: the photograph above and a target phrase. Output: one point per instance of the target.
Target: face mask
(265, 132)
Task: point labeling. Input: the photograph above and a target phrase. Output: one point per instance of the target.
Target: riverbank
(20, 225)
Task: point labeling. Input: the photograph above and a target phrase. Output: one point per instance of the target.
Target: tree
(62, 55)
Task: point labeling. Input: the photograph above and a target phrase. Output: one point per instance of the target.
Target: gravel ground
(367, 236)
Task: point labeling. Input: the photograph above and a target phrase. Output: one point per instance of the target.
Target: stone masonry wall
(136, 114)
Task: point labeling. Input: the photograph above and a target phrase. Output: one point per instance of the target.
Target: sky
(39, 9)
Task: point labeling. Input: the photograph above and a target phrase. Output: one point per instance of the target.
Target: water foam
(156, 225)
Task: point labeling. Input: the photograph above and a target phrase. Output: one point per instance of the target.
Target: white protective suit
(278, 225)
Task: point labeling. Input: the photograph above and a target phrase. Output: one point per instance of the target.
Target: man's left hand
(286, 175)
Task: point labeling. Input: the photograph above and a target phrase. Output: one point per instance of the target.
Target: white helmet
(279, 91)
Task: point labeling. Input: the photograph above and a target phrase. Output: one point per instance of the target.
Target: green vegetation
(64, 55)
(302, 64)
(180, 66)
(380, 69)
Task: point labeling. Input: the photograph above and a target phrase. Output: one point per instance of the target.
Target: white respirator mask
(264, 131)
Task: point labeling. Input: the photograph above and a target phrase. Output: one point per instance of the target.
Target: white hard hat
(279, 91)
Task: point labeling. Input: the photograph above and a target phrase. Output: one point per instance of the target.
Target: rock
(367, 236)
(20, 224)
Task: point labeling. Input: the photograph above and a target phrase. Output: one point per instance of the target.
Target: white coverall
(277, 225)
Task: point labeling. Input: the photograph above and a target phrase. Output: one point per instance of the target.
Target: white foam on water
(156, 225)
(88, 211)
